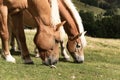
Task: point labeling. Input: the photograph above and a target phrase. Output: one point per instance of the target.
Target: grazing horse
(73, 27)
(46, 32)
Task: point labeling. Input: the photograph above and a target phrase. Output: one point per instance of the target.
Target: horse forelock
(78, 20)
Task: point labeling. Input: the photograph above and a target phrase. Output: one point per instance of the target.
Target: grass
(102, 62)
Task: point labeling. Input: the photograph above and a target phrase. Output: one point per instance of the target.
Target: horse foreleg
(20, 36)
(12, 43)
(5, 34)
(63, 51)
(63, 37)
(12, 36)
(37, 55)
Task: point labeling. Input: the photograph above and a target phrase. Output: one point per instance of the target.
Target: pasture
(102, 62)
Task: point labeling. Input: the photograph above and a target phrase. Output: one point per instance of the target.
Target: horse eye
(78, 45)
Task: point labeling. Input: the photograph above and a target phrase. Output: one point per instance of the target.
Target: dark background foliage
(106, 25)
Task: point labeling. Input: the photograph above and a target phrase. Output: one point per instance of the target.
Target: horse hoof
(53, 66)
(67, 59)
(12, 50)
(37, 56)
(9, 58)
(28, 61)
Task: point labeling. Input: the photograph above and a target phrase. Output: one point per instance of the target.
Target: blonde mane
(77, 18)
(55, 16)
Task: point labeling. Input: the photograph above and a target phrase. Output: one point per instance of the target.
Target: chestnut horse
(73, 27)
(46, 32)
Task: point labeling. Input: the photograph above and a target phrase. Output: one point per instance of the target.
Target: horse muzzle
(78, 58)
(50, 61)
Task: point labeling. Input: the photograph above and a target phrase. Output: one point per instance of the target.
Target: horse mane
(55, 17)
(77, 18)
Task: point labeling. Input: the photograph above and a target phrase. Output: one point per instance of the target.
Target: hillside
(104, 4)
(81, 6)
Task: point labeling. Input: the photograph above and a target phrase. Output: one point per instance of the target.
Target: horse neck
(70, 27)
(41, 14)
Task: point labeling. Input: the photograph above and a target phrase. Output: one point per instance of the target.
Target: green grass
(102, 62)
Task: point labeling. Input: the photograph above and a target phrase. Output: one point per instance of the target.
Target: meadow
(102, 62)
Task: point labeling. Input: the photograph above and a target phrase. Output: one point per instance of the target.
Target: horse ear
(84, 32)
(75, 37)
(59, 25)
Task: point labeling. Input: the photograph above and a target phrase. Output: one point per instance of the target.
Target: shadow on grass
(16, 52)
(63, 60)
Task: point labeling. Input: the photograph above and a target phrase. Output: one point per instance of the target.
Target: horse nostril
(79, 59)
(51, 49)
(50, 61)
(55, 62)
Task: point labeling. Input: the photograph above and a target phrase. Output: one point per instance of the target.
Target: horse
(46, 32)
(73, 27)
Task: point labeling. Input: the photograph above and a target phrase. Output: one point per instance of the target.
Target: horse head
(75, 47)
(47, 40)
